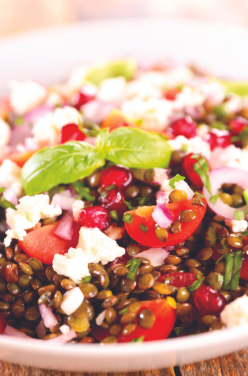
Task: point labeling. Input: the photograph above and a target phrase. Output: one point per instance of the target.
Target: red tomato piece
(209, 301)
(71, 132)
(179, 279)
(19, 158)
(143, 216)
(188, 170)
(43, 244)
(165, 319)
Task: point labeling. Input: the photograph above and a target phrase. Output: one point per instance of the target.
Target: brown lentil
(50, 273)
(111, 315)
(145, 281)
(174, 260)
(213, 279)
(25, 268)
(18, 308)
(67, 284)
(182, 295)
(146, 318)
(115, 329)
(35, 264)
(4, 306)
(9, 253)
(57, 299)
(84, 310)
(177, 156)
(32, 313)
(235, 241)
(109, 340)
(94, 179)
(133, 250)
(78, 324)
(52, 288)
(8, 297)
(104, 294)
(89, 290)
(220, 267)
(11, 273)
(127, 317)
(128, 329)
(145, 191)
(144, 269)
(192, 263)
(2, 286)
(177, 195)
(168, 269)
(121, 271)
(36, 284)
(208, 320)
(29, 297)
(184, 310)
(57, 279)
(161, 233)
(13, 289)
(109, 302)
(237, 200)
(187, 216)
(132, 191)
(24, 281)
(175, 227)
(217, 324)
(205, 254)
(226, 198)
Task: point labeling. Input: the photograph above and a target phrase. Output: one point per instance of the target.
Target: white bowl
(48, 56)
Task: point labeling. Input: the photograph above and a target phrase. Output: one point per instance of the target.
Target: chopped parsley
(176, 178)
(214, 198)
(114, 215)
(239, 215)
(128, 218)
(135, 263)
(201, 167)
(143, 228)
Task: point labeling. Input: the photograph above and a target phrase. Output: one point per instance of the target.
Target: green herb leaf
(6, 204)
(134, 147)
(114, 215)
(101, 141)
(185, 148)
(245, 194)
(239, 215)
(110, 187)
(128, 218)
(144, 200)
(237, 263)
(123, 311)
(211, 236)
(218, 125)
(179, 330)
(129, 206)
(2, 189)
(87, 279)
(61, 164)
(237, 87)
(221, 258)
(228, 270)
(201, 167)
(195, 285)
(143, 228)
(114, 68)
(140, 339)
(135, 263)
(176, 178)
(220, 111)
(214, 198)
(83, 191)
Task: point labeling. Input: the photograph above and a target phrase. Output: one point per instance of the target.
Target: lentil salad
(135, 235)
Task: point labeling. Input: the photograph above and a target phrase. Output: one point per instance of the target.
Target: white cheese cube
(72, 264)
(235, 313)
(72, 299)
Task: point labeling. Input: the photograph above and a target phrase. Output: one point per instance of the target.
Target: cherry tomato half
(142, 227)
(165, 319)
(43, 244)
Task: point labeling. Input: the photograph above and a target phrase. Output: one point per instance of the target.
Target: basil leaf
(115, 68)
(61, 164)
(133, 147)
(237, 87)
(101, 141)
(176, 178)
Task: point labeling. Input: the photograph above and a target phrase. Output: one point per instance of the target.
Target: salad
(123, 205)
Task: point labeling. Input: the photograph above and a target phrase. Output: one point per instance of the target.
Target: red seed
(217, 138)
(185, 127)
(95, 216)
(71, 132)
(237, 125)
(120, 177)
(188, 170)
(80, 98)
(209, 301)
(113, 200)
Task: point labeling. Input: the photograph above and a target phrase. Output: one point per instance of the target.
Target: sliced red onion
(100, 318)
(220, 176)
(162, 216)
(10, 195)
(64, 338)
(155, 255)
(65, 227)
(64, 200)
(47, 316)
(12, 332)
(41, 330)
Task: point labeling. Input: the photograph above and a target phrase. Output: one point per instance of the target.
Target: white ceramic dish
(48, 56)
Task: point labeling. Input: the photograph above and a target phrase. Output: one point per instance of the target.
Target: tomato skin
(149, 238)
(179, 279)
(188, 170)
(43, 244)
(114, 120)
(19, 158)
(164, 323)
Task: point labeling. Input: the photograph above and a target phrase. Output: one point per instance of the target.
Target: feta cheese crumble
(46, 130)
(10, 176)
(77, 206)
(29, 211)
(235, 313)
(72, 299)
(97, 247)
(194, 145)
(26, 95)
(72, 264)
(112, 90)
(238, 225)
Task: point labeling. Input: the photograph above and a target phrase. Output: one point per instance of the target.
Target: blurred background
(21, 15)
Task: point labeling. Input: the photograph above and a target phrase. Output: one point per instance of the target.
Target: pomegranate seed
(2, 323)
(217, 138)
(184, 127)
(113, 200)
(120, 177)
(80, 98)
(71, 132)
(209, 301)
(11, 273)
(95, 216)
(237, 125)
(188, 170)
(171, 94)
